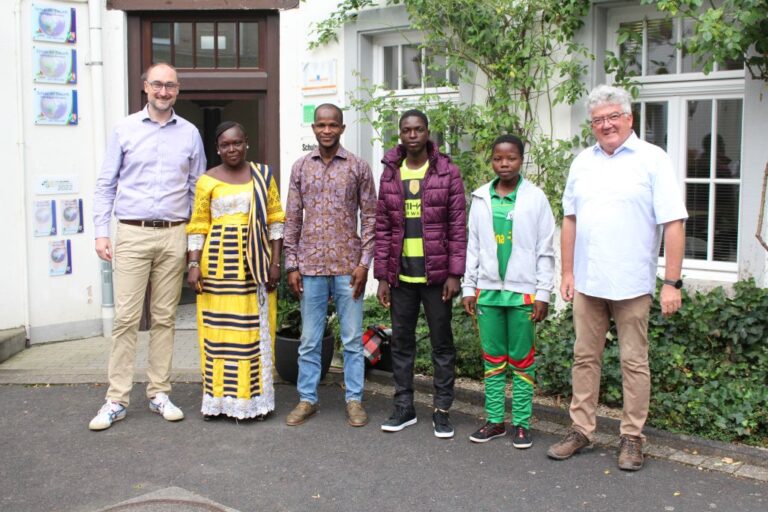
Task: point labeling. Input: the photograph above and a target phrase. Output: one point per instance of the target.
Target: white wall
(63, 307)
(294, 52)
(753, 259)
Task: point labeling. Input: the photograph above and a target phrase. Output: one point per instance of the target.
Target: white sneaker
(162, 405)
(109, 413)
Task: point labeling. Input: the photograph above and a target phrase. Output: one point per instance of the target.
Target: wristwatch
(193, 264)
(676, 284)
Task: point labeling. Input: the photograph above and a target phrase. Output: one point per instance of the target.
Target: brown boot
(572, 443)
(630, 453)
(301, 413)
(356, 415)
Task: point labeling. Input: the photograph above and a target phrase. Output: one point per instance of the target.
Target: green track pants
(507, 339)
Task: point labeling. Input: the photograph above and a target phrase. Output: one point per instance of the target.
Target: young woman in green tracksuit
(507, 285)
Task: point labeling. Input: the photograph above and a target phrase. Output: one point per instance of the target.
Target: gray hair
(609, 95)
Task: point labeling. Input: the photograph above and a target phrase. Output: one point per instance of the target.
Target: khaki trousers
(145, 254)
(591, 320)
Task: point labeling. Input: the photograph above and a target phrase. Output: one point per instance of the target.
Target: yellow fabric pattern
(235, 355)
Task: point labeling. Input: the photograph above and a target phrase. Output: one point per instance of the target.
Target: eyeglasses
(158, 86)
(610, 118)
(237, 145)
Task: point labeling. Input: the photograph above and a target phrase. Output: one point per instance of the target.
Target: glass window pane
(661, 48)
(205, 45)
(411, 59)
(636, 118)
(726, 222)
(731, 65)
(453, 76)
(696, 227)
(249, 45)
(689, 63)
(699, 150)
(728, 150)
(656, 123)
(632, 48)
(182, 45)
(161, 42)
(436, 69)
(390, 68)
(226, 46)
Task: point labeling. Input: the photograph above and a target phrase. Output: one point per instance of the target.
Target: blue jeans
(314, 309)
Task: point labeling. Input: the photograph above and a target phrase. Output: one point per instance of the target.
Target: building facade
(248, 60)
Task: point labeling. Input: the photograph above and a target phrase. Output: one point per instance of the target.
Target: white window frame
(676, 89)
(402, 38)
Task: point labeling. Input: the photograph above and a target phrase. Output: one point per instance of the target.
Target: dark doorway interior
(208, 112)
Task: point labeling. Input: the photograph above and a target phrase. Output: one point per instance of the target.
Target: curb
(734, 459)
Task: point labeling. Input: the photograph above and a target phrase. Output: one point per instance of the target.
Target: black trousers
(406, 300)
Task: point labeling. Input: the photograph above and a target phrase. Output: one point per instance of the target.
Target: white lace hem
(195, 242)
(276, 230)
(242, 408)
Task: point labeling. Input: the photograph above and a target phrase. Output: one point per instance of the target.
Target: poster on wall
(319, 78)
(45, 218)
(55, 107)
(54, 65)
(60, 184)
(59, 257)
(54, 24)
(71, 216)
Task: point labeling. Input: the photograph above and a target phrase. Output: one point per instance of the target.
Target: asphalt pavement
(52, 462)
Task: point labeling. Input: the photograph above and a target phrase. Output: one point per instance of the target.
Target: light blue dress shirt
(149, 171)
(620, 202)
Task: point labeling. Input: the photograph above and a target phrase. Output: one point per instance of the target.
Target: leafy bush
(709, 362)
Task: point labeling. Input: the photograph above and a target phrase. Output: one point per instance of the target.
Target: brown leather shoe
(301, 413)
(574, 442)
(630, 453)
(356, 415)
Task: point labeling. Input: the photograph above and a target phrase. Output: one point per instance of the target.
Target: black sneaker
(442, 424)
(487, 432)
(401, 417)
(521, 437)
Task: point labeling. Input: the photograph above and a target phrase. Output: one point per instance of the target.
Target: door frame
(224, 83)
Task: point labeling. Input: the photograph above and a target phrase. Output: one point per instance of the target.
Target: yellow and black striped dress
(234, 332)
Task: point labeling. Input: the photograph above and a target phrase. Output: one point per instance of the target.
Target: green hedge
(709, 362)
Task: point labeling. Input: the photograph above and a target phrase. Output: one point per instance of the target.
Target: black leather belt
(153, 223)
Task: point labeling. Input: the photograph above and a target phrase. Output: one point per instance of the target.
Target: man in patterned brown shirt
(325, 256)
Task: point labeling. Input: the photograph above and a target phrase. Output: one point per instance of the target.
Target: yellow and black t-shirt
(412, 269)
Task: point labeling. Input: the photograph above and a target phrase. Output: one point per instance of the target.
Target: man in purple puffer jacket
(421, 245)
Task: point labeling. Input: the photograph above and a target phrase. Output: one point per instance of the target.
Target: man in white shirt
(621, 193)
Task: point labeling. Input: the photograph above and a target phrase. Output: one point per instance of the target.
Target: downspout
(21, 158)
(96, 64)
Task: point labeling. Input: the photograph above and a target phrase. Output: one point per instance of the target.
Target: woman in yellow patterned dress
(234, 242)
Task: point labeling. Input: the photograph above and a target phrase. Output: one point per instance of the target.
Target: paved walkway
(710, 468)
(85, 360)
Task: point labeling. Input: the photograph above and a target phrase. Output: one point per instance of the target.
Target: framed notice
(57, 107)
(319, 78)
(54, 65)
(59, 257)
(71, 216)
(54, 24)
(45, 218)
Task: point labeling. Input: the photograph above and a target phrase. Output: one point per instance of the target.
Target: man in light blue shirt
(620, 196)
(151, 165)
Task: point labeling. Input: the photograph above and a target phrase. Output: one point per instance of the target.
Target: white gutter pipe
(21, 158)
